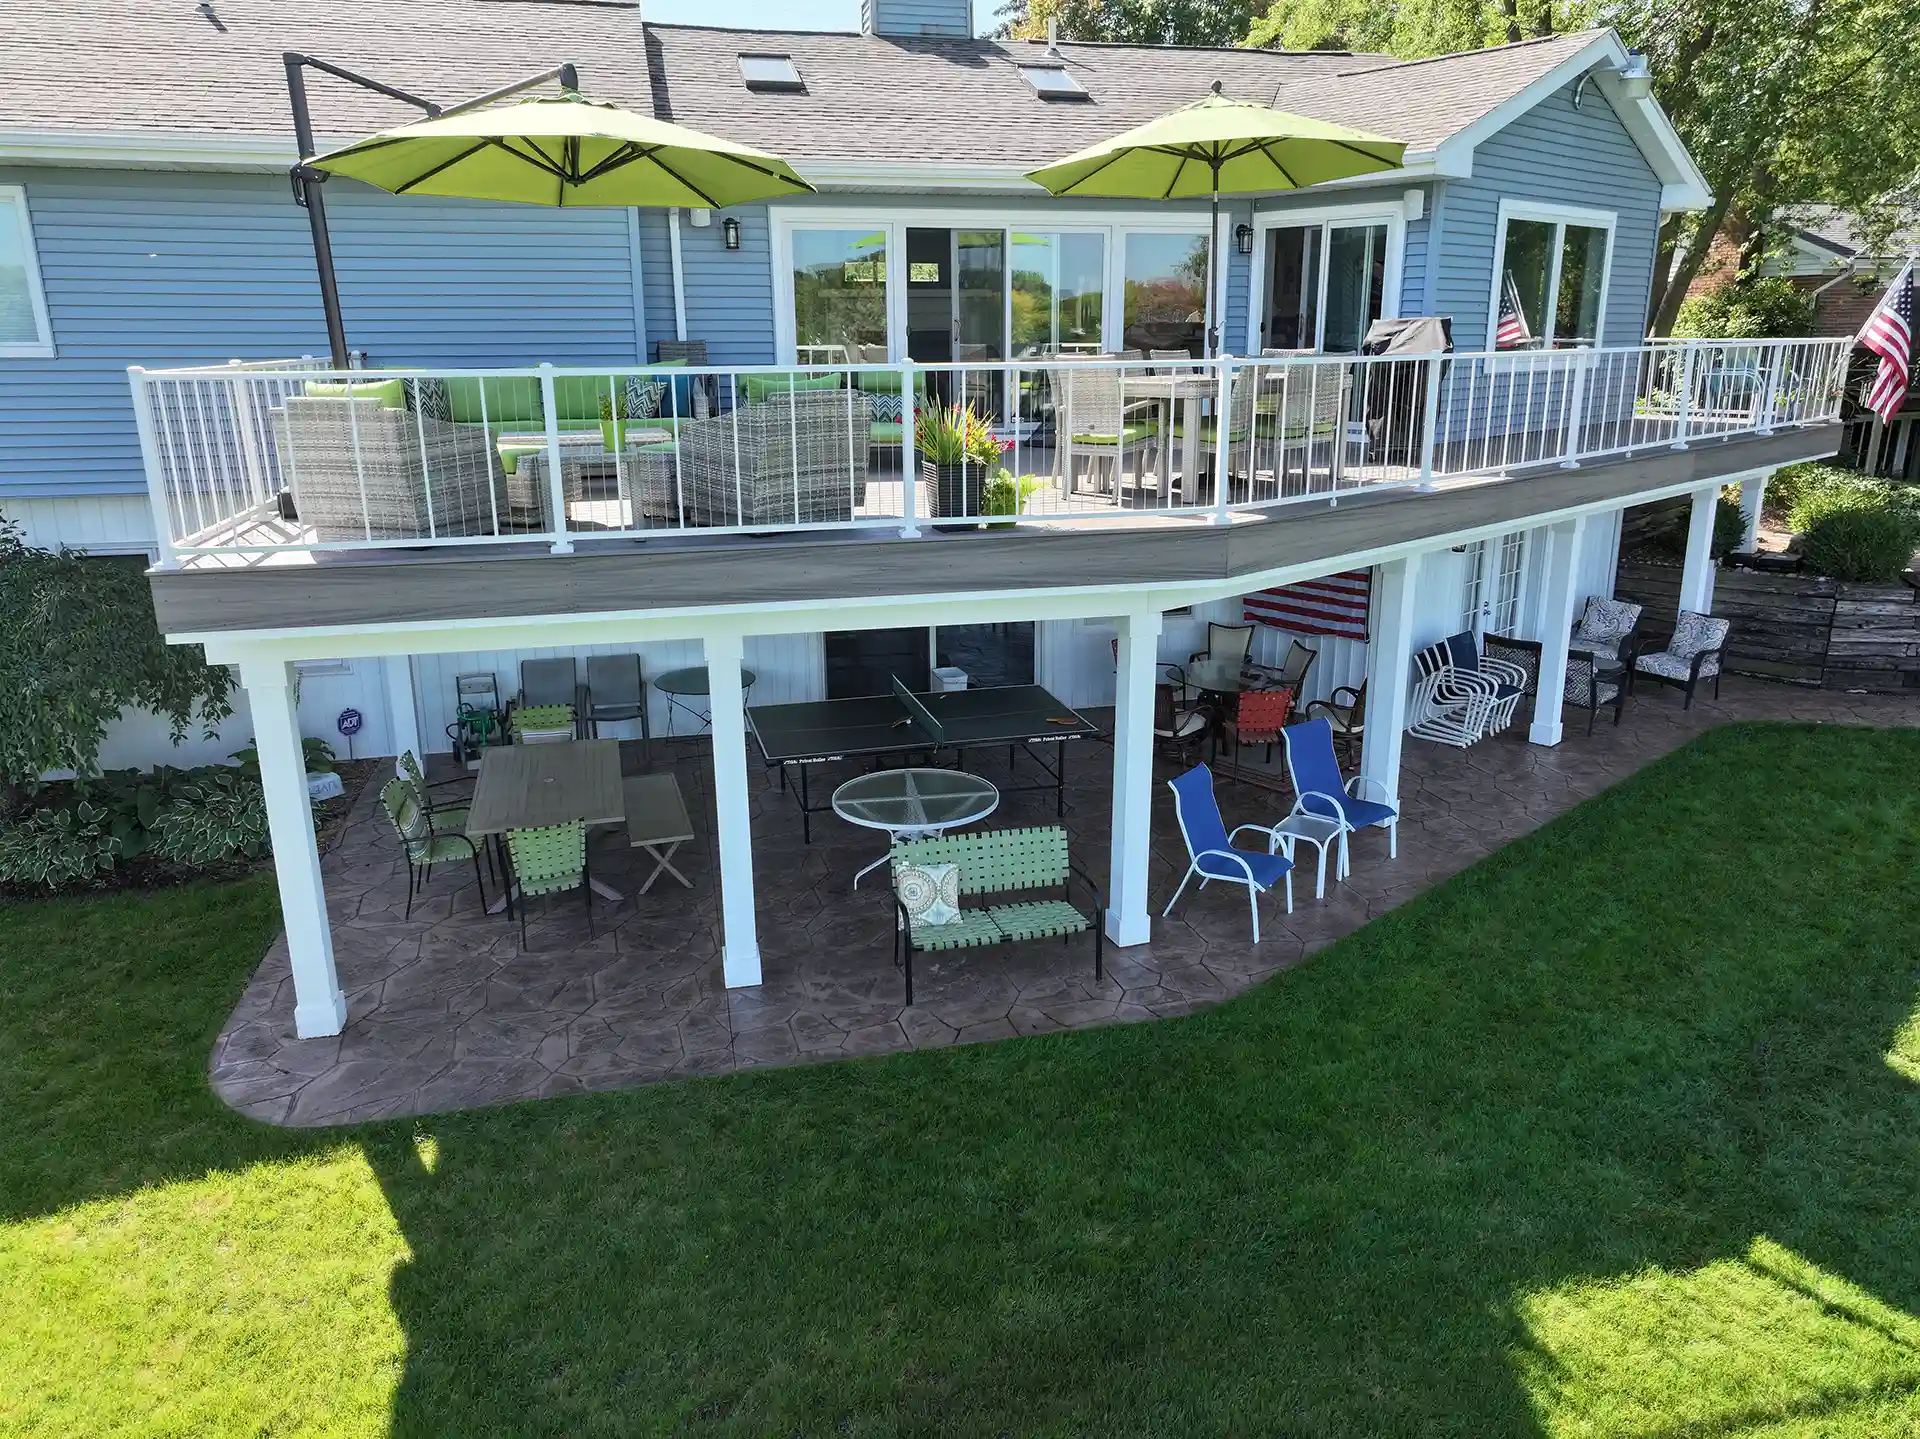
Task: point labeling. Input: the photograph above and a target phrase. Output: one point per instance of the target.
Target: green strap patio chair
(423, 847)
(541, 724)
(442, 817)
(550, 860)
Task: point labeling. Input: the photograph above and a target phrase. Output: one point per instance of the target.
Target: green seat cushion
(1129, 434)
(510, 403)
(540, 717)
(1038, 919)
(392, 394)
(439, 848)
(974, 927)
(755, 388)
(885, 432)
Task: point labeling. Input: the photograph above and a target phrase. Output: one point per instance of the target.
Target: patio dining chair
(550, 860)
(1319, 788)
(1257, 717)
(1228, 643)
(1290, 673)
(1462, 696)
(547, 685)
(423, 846)
(616, 692)
(1346, 717)
(1095, 421)
(1178, 729)
(1606, 627)
(442, 817)
(1210, 849)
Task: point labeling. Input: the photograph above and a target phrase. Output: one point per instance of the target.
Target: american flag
(1332, 605)
(1889, 334)
(1512, 331)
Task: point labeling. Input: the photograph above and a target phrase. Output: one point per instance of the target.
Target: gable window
(1550, 286)
(25, 331)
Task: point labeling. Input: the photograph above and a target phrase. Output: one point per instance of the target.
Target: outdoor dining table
(532, 786)
(1189, 390)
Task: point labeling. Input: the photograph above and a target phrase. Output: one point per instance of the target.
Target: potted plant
(958, 450)
(1007, 494)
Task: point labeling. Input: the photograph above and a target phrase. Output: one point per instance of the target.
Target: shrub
(1866, 545)
(78, 644)
(319, 758)
(1666, 533)
(1754, 310)
(218, 816)
(1811, 491)
(53, 848)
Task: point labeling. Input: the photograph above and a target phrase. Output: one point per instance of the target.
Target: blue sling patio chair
(1210, 850)
(1319, 789)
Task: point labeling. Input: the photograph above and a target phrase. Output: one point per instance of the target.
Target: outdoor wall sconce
(730, 232)
(1243, 239)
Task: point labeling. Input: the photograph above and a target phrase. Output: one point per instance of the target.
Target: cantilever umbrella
(558, 150)
(1217, 146)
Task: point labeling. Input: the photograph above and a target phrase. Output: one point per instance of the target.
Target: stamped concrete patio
(447, 1011)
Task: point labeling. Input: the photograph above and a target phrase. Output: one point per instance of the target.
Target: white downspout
(679, 276)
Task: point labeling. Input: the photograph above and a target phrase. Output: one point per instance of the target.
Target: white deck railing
(261, 458)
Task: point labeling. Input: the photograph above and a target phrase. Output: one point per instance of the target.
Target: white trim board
(13, 201)
(1545, 214)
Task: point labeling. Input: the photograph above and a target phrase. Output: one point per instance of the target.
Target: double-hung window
(25, 331)
(1550, 277)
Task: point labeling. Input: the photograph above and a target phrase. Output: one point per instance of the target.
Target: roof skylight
(770, 72)
(1053, 82)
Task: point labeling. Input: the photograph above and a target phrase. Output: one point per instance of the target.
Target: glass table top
(913, 799)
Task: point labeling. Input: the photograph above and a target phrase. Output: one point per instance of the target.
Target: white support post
(1696, 579)
(319, 1006)
(1128, 920)
(1223, 441)
(909, 454)
(1389, 682)
(1556, 626)
(556, 479)
(1753, 494)
(733, 813)
(403, 709)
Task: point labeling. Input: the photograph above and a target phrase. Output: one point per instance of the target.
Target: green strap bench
(995, 863)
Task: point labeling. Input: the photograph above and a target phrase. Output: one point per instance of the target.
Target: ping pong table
(796, 737)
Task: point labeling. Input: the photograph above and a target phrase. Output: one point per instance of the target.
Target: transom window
(770, 72)
(25, 331)
(1550, 290)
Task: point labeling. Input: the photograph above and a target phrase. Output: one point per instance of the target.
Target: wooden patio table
(532, 786)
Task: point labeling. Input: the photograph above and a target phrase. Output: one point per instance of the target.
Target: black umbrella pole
(1210, 309)
(323, 261)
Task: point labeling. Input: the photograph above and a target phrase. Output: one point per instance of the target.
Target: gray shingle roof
(165, 66)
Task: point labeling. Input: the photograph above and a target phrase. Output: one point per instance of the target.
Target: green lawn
(1617, 1133)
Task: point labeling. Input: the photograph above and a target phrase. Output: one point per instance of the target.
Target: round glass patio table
(676, 685)
(1216, 677)
(913, 804)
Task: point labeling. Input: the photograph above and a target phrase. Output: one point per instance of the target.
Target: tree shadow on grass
(1386, 1193)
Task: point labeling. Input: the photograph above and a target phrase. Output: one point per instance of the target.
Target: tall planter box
(956, 488)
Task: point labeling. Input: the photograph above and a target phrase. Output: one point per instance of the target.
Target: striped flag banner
(1331, 605)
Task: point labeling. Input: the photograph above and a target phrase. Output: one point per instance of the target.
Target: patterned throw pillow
(886, 405)
(643, 397)
(428, 395)
(930, 893)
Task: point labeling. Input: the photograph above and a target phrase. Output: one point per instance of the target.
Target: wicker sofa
(360, 469)
(784, 459)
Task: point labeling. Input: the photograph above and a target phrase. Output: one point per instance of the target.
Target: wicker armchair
(788, 459)
(1094, 419)
(1298, 411)
(359, 470)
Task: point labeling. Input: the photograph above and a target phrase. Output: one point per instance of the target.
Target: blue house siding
(1554, 154)
(160, 269)
(730, 292)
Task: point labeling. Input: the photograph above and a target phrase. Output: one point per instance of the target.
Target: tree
(1780, 102)
(78, 644)
(1132, 22)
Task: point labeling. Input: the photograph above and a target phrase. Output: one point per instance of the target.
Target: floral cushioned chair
(1690, 656)
(1606, 628)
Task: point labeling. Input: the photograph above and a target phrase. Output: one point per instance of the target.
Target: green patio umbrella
(556, 150)
(1217, 146)
(564, 150)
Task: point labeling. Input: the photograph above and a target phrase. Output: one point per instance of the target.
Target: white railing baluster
(909, 448)
(1222, 441)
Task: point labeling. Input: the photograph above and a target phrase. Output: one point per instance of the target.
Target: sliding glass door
(1324, 286)
(1058, 293)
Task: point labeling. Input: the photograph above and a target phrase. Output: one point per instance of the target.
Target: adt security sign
(349, 725)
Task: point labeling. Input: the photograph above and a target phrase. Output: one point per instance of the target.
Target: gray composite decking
(687, 570)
